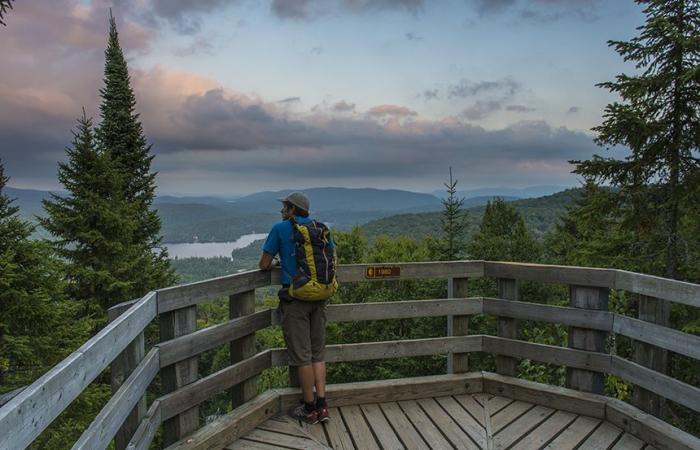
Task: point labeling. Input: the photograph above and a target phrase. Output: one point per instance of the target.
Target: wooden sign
(383, 272)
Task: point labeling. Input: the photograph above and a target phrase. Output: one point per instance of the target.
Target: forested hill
(540, 214)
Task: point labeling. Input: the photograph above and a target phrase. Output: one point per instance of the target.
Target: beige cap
(298, 199)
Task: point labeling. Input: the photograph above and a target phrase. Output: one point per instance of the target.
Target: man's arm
(265, 261)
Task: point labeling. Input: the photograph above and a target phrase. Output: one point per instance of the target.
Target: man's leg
(306, 380)
(319, 370)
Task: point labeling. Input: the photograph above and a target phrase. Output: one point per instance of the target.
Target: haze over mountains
(215, 219)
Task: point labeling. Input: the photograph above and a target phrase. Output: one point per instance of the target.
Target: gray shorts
(304, 328)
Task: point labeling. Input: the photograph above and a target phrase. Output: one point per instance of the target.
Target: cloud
(198, 45)
(185, 15)
(411, 36)
(466, 88)
(291, 9)
(519, 108)
(316, 50)
(391, 110)
(431, 94)
(573, 110)
(481, 109)
(314, 9)
(343, 106)
(290, 100)
(541, 11)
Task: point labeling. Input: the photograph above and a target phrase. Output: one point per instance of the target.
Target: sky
(241, 96)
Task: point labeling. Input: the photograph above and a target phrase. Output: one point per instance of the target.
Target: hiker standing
(307, 257)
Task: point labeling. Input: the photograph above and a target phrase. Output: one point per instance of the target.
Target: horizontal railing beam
(411, 309)
(203, 389)
(658, 335)
(193, 344)
(656, 382)
(658, 287)
(577, 317)
(146, 431)
(105, 426)
(32, 410)
(581, 276)
(417, 270)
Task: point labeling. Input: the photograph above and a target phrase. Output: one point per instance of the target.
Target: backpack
(315, 277)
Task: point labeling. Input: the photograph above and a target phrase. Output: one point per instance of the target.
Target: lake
(212, 249)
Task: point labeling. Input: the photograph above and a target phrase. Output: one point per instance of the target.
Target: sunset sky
(240, 96)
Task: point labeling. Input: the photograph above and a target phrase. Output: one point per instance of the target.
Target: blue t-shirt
(281, 240)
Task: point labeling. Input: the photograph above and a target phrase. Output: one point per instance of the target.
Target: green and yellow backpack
(316, 259)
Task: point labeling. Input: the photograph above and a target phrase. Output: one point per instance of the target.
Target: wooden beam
(658, 312)
(418, 270)
(380, 391)
(458, 325)
(189, 345)
(240, 306)
(184, 295)
(233, 425)
(33, 409)
(651, 430)
(508, 289)
(410, 309)
(586, 297)
(542, 394)
(590, 361)
(586, 318)
(174, 324)
(203, 389)
(657, 335)
(657, 383)
(110, 419)
(581, 276)
(122, 366)
(658, 287)
(391, 349)
(146, 431)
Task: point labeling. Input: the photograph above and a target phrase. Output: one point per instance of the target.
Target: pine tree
(37, 322)
(5, 5)
(91, 225)
(453, 223)
(659, 121)
(503, 236)
(121, 135)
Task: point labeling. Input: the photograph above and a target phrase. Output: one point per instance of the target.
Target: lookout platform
(459, 409)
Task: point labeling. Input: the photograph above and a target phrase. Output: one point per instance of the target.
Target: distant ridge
(527, 192)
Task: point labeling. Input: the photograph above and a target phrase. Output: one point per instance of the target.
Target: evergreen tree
(5, 5)
(92, 226)
(37, 322)
(453, 223)
(659, 121)
(503, 236)
(121, 135)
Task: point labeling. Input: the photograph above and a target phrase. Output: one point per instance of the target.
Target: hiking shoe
(300, 413)
(322, 414)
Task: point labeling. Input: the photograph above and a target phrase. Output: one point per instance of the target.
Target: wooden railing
(128, 421)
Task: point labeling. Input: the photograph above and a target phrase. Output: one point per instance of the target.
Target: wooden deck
(467, 421)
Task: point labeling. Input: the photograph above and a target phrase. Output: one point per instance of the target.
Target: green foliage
(451, 245)
(503, 236)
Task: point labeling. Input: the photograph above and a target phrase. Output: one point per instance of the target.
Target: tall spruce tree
(37, 322)
(453, 223)
(92, 226)
(121, 135)
(658, 119)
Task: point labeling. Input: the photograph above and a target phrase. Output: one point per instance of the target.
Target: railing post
(457, 326)
(121, 368)
(587, 297)
(508, 289)
(242, 305)
(174, 324)
(655, 311)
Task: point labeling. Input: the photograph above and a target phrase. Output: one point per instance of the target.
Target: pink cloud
(391, 110)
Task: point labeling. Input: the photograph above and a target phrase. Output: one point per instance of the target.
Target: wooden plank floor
(479, 421)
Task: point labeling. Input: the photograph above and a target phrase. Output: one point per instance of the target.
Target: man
(303, 322)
